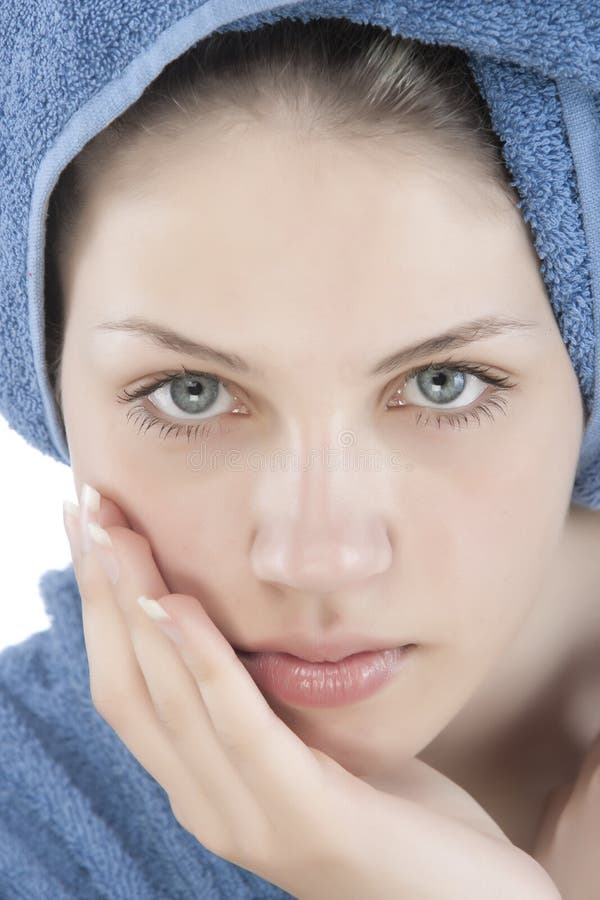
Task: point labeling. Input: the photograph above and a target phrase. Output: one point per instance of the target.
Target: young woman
(317, 403)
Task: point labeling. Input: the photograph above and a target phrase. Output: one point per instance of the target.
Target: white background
(32, 536)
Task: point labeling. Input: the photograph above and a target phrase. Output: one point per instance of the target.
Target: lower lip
(305, 683)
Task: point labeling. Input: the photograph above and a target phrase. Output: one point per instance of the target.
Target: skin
(238, 779)
(254, 242)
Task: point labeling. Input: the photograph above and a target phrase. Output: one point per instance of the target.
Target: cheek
(193, 518)
(199, 537)
(478, 533)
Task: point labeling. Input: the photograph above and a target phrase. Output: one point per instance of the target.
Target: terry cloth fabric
(79, 816)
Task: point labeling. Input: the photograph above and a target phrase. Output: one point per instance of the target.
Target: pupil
(195, 393)
(441, 386)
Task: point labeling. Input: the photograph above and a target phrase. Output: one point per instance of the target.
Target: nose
(322, 530)
(327, 557)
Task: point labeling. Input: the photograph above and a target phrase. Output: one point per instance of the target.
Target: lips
(355, 678)
(332, 650)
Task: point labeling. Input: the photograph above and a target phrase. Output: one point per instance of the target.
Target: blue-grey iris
(442, 385)
(194, 393)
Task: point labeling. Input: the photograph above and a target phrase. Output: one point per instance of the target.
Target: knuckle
(250, 741)
(236, 743)
(171, 717)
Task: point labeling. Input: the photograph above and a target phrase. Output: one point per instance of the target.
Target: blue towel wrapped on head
(80, 817)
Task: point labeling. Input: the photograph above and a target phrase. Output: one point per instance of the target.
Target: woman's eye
(192, 396)
(198, 403)
(443, 387)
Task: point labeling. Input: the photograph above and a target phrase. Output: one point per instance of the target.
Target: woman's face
(324, 506)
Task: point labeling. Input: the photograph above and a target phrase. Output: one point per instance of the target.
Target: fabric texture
(80, 817)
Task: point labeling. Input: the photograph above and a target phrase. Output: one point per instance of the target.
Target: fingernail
(71, 526)
(90, 507)
(154, 610)
(90, 498)
(104, 551)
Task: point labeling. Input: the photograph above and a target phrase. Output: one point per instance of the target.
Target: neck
(528, 726)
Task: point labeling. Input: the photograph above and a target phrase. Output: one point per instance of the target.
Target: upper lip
(331, 650)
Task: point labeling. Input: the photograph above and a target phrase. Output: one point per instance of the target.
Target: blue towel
(79, 816)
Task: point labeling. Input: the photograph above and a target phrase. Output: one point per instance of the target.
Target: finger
(76, 517)
(177, 703)
(232, 704)
(117, 686)
(173, 708)
(280, 770)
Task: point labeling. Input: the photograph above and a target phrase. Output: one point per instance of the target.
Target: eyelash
(496, 398)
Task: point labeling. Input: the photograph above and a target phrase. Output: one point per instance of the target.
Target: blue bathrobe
(79, 816)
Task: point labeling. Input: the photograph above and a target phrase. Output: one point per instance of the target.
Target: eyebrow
(459, 336)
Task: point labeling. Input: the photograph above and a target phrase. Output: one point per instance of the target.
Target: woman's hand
(568, 838)
(243, 784)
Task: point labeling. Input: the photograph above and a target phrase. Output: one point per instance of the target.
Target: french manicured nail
(90, 498)
(90, 507)
(104, 549)
(164, 621)
(71, 525)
